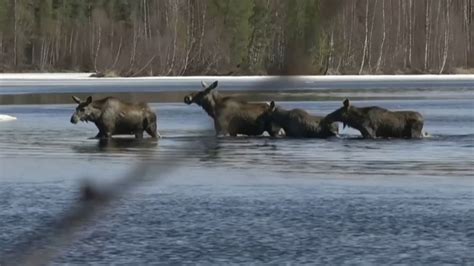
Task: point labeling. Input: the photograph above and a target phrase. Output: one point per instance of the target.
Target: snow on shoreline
(8, 76)
(86, 76)
(5, 118)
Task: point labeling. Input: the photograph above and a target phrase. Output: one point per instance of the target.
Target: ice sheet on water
(5, 118)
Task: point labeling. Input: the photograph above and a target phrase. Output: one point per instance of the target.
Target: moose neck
(356, 119)
(95, 114)
(280, 117)
(209, 103)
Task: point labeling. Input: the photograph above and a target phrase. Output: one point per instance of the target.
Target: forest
(230, 37)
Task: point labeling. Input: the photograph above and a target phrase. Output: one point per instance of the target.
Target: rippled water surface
(248, 200)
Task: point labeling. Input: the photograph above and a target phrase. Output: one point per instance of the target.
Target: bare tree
(199, 37)
(468, 16)
(427, 33)
(15, 33)
(366, 37)
(384, 31)
(410, 32)
(369, 48)
(446, 37)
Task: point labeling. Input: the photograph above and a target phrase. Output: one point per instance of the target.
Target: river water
(246, 200)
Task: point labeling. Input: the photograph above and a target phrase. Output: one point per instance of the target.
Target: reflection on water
(117, 145)
(339, 156)
(249, 200)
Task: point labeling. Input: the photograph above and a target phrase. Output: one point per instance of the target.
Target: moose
(231, 116)
(115, 117)
(297, 123)
(374, 121)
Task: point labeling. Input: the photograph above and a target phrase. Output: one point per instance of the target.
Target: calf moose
(297, 123)
(115, 117)
(375, 121)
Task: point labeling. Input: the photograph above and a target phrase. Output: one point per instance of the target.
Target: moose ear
(272, 106)
(76, 99)
(209, 87)
(346, 103)
(89, 100)
(213, 85)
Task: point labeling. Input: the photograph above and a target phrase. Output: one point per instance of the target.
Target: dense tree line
(189, 37)
(408, 36)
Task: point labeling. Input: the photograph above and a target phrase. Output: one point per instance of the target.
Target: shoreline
(57, 88)
(86, 76)
(254, 96)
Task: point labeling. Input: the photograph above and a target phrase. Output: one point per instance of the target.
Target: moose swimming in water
(231, 116)
(297, 123)
(374, 121)
(115, 117)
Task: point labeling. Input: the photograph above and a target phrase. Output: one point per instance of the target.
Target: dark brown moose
(231, 116)
(297, 123)
(115, 117)
(374, 121)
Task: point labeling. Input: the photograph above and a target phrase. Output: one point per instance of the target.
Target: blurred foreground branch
(48, 239)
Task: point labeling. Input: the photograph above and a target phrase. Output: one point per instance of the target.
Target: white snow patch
(5, 118)
(7, 76)
(355, 78)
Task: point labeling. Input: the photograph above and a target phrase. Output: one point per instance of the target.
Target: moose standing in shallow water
(374, 121)
(114, 117)
(231, 116)
(297, 123)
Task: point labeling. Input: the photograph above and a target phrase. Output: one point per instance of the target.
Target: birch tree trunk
(398, 37)
(379, 61)
(175, 37)
(469, 28)
(366, 38)
(351, 30)
(446, 37)
(96, 55)
(406, 35)
(427, 33)
(15, 33)
(410, 32)
(371, 34)
(438, 39)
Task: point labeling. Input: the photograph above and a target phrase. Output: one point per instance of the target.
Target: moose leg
(152, 131)
(416, 130)
(222, 133)
(99, 135)
(106, 135)
(139, 134)
(231, 132)
(101, 132)
(220, 129)
(368, 133)
(106, 130)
